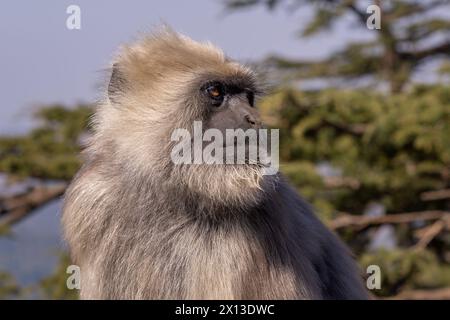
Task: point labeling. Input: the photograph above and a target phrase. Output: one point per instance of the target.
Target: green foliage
(52, 287)
(391, 54)
(4, 230)
(407, 269)
(55, 286)
(50, 151)
(387, 149)
(392, 147)
(8, 286)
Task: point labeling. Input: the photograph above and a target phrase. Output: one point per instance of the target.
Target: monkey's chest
(181, 263)
(219, 266)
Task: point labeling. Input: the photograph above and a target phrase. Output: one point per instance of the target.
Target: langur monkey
(141, 227)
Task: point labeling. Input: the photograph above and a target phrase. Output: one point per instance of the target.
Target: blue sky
(43, 62)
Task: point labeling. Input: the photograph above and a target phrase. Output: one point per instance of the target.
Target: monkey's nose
(252, 120)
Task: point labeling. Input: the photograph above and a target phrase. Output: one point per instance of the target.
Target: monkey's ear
(117, 83)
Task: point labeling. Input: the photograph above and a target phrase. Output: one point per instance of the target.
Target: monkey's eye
(215, 92)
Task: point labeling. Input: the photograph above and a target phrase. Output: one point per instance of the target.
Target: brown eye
(215, 92)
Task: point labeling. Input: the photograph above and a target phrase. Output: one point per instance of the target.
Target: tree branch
(361, 15)
(15, 208)
(443, 48)
(436, 294)
(430, 232)
(361, 222)
(332, 182)
(435, 195)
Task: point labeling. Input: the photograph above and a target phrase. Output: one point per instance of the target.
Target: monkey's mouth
(238, 154)
(227, 154)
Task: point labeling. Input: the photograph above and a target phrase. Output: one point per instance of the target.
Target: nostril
(250, 119)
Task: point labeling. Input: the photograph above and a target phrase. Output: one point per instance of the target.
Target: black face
(230, 105)
(217, 91)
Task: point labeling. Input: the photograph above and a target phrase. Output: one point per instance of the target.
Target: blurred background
(364, 119)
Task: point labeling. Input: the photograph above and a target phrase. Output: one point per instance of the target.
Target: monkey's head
(165, 82)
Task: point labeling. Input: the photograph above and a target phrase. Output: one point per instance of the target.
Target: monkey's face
(226, 111)
(230, 104)
(167, 83)
(227, 115)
